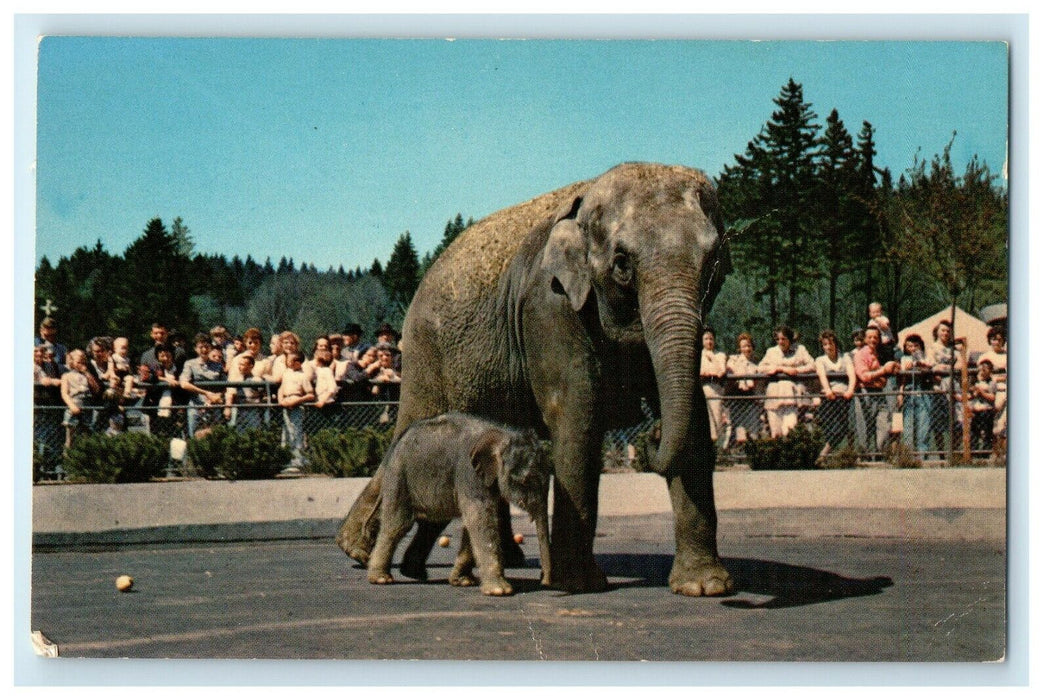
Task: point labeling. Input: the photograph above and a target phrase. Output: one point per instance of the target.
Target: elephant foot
(413, 567)
(380, 577)
(462, 580)
(577, 579)
(358, 554)
(357, 548)
(498, 586)
(709, 579)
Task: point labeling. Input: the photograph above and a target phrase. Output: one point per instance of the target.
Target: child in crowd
(250, 412)
(295, 390)
(203, 368)
(121, 357)
(876, 319)
(982, 406)
(75, 389)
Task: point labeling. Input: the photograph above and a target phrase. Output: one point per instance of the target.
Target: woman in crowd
(940, 356)
(782, 363)
(914, 401)
(712, 370)
(289, 345)
(745, 415)
(837, 383)
(997, 357)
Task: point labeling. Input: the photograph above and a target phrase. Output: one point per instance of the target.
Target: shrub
(845, 458)
(902, 457)
(796, 450)
(117, 459)
(233, 454)
(351, 452)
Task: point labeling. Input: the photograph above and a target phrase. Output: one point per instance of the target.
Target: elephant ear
(487, 456)
(565, 260)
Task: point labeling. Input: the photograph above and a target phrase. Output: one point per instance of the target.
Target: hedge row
(224, 453)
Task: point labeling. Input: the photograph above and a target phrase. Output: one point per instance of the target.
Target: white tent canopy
(973, 329)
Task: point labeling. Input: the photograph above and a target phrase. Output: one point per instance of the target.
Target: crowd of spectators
(867, 397)
(228, 380)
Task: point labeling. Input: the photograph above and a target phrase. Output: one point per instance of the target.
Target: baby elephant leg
(395, 522)
(414, 560)
(481, 521)
(462, 571)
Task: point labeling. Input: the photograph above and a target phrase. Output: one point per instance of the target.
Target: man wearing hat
(353, 345)
(47, 338)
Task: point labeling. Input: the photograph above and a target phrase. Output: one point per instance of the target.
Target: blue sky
(327, 150)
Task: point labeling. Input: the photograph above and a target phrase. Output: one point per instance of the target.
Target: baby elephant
(457, 465)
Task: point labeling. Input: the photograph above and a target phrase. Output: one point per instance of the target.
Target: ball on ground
(519, 538)
(124, 583)
(444, 541)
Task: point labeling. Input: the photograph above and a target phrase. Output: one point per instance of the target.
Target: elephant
(563, 313)
(458, 465)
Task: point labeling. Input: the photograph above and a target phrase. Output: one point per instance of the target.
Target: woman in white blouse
(712, 370)
(744, 413)
(837, 384)
(782, 363)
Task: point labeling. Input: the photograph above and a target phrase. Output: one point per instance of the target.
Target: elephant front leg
(577, 465)
(697, 570)
(481, 522)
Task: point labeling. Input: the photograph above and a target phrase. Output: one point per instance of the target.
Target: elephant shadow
(786, 585)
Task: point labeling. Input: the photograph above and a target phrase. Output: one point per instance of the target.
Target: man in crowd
(159, 334)
(48, 338)
(872, 376)
(353, 344)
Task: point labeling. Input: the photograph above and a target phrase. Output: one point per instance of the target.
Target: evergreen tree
(157, 285)
(453, 228)
(772, 186)
(183, 240)
(840, 205)
(377, 268)
(402, 272)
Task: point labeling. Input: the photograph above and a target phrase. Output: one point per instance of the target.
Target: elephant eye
(622, 270)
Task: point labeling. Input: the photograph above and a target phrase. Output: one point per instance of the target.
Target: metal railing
(894, 424)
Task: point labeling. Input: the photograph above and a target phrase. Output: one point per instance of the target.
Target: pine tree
(402, 272)
(158, 284)
(183, 240)
(772, 187)
(453, 228)
(840, 204)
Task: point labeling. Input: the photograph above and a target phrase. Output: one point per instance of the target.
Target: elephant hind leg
(414, 561)
(462, 571)
(359, 530)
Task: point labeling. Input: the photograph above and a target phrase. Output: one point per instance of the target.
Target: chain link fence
(905, 427)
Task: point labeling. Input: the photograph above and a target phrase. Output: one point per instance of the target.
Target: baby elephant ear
(565, 260)
(487, 456)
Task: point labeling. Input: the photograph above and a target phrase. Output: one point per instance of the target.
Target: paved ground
(849, 566)
(820, 599)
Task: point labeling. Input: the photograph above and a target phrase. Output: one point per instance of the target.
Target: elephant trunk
(672, 326)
